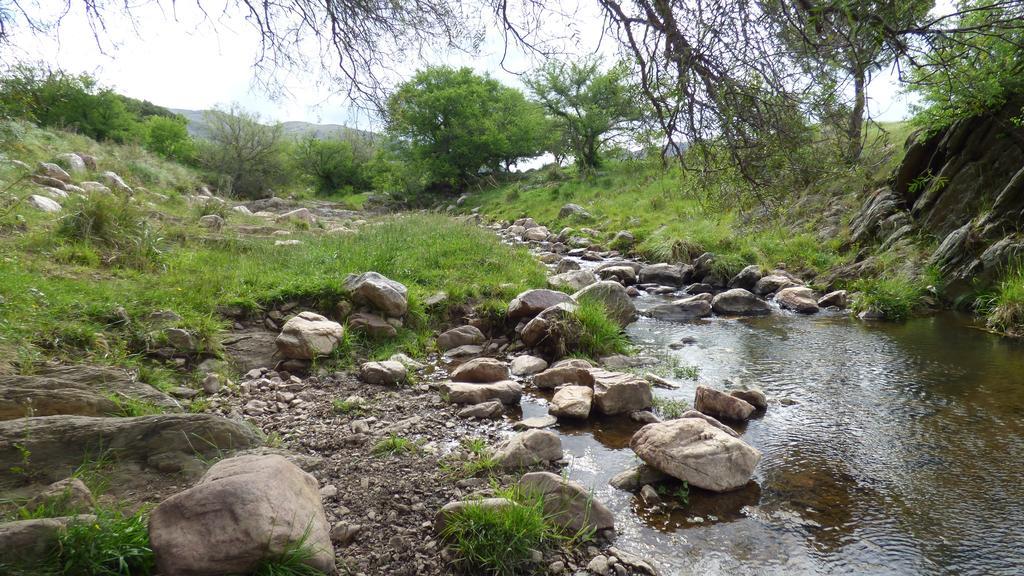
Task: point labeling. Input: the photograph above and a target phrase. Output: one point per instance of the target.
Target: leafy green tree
(168, 137)
(452, 123)
(333, 165)
(589, 106)
(246, 155)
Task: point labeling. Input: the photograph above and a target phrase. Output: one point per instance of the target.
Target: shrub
(599, 335)
(114, 224)
(115, 544)
(169, 138)
(500, 541)
(894, 298)
(248, 156)
(333, 165)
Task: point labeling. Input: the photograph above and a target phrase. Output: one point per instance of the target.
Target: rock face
(528, 365)
(573, 280)
(572, 402)
(612, 294)
(528, 449)
(800, 299)
(481, 370)
(309, 335)
(388, 372)
(693, 450)
(243, 510)
(739, 302)
(568, 504)
(374, 290)
(460, 336)
(721, 405)
(532, 302)
(506, 392)
(59, 443)
(682, 310)
(83, 390)
(619, 393)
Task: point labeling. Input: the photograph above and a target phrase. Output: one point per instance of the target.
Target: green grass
(895, 297)
(670, 408)
(347, 407)
(480, 460)
(292, 561)
(500, 541)
(680, 494)
(115, 544)
(1004, 309)
(394, 445)
(599, 335)
(127, 406)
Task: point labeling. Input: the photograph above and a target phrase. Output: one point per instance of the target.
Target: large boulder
(527, 365)
(381, 293)
(309, 335)
(82, 389)
(460, 336)
(71, 162)
(551, 327)
(168, 442)
(481, 370)
(682, 310)
(620, 393)
(693, 450)
(507, 392)
(555, 376)
(532, 302)
(529, 449)
(567, 504)
(244, 510)
(800, 299)
(618, 304)
(739, 302)
(721, 405)
(572, 280)
(572, 402)
(664, 275)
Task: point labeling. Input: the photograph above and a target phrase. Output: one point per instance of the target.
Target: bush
(333, 166)
(115, 225)
(247, 156)
(895, 298)
(500, 541)
(599, 335)
(169, 138)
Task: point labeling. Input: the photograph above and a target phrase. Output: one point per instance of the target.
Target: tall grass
(116, 544)
(896, 297)
(598, 335)
(1005, 308)
(117, 226)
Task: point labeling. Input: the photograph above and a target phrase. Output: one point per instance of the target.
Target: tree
(168, 137)
(453, 123)
(591, 107)
(333, 165)
(246, 155)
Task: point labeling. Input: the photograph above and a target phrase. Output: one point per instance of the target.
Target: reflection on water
(888, 449)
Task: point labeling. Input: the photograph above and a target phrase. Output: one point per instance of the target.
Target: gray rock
(739, 302)
(481, 370)
(800, 299)
(838, 299)
(535, 423)
(721, 405)
(484, 410)
(532, 302)
(693, 450)
(71, 162)
(619, 393)
(460, 336)
(70, 495)
(682, 310)
(242, 510)
(309, 335)
(566, 265)
(28, 541)
(528, 449)
(752, 396)
(569, 505)
(528, 365)
(211, 221)
(54, 171)
(372, 325)
(565, 374)
(574, 211)
(572, 402)
(746, 278)
(631, 480)
(572, 280)
(612, 294)
(773, 283)
(115, 183)
(181, 340)
(43, 203)
(664, 275)
(710, 420)
(507, 392)
(388, 373)
(375, 290)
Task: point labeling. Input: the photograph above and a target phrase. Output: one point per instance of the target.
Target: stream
(887, 449)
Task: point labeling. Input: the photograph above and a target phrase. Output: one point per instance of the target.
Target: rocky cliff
(963, 187)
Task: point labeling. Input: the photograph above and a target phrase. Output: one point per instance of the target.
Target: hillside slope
(198, 127)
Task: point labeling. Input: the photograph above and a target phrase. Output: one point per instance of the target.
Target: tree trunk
(855, 130)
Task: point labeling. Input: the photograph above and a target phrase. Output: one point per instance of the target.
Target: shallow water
(888, 449)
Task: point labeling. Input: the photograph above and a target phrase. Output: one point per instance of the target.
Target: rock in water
(739, 302)
(837, 299)
(528, 365)
(242, 511)
(800, 299)
(620, 393)
(664, 275)
(569, 505)
(693, 450)
(507, 392)
(375, 290)
(572, 402)
(721, 405)
(746, 278)
(309, 335)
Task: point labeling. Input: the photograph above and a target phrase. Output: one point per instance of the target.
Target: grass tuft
(896, 298)
(670, 408)
(599, 335)
(1005, 308)
(116, 544)
(393, 445)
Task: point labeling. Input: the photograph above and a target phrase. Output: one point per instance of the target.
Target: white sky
(177, 61)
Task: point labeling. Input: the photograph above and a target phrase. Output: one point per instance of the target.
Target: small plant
(94, 471)
(680, 494)
(500, 540)
(348, 407)
(670, 408)
(292, 561)
(199, 405)
(116, 225)
(599, 335)
(1005, 308)
(894, 298)
(128, 406)
(115, 544)
(393, 445)
(688, 372)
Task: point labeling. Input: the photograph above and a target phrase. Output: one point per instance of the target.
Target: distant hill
(198, 127)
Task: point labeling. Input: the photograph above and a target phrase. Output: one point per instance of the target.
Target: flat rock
(620, 393)
(483, 410)
(565, 374)
(527, 365)
(481, 370)
(721, 405)
(535, 423)
(460, 336)
(309, 335)
(739, 302)
(507, 392)
(532, 302)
